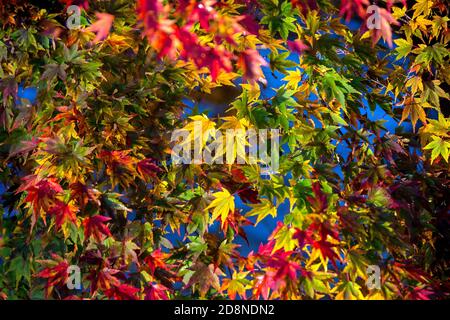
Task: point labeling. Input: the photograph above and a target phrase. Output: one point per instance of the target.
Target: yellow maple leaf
(253, 91)
(262, 210)
(293, 78)
(236, 285)
(221, 205)
(284, 239)
(414, 107)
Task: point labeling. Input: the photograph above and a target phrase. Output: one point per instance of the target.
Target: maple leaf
(122, 292)
(102, 26)
(251, 62)
(96, 227)
(420, 293)
(240, 185)
(326, 250)
(413, 107)
(157, 259)
(319, 202)
(127, 249)
(249, 24)
(349, 7)
(222, 205)
(236, 285)
(24, 147)
(205, 276)
(349, 291)
(156, 292)
(214, 59)
(383, 30)
(297, 46)
(224, 254)
(103, 279)
(422, 7)
(323, 229)
(403, 47)
(148, 169)
(40, 194)
(303, 237)
(10, 88)
(63, 212)
(439, 147)
(284, 266)
(235, 220)
(293, 78)
(270, 280)
(248, 194)
(203, 13)
(148, 12)
(262, 210)
(55, 273)
(283, 236)
(263, 283)
(119, 165)
(83, 194)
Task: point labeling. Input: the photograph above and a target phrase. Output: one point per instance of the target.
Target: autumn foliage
(86, 178)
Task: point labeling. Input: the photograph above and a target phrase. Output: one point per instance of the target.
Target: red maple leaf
(350, 7)
(272, 279)
(103, 279)
(420, 293)
(384, 31)
(263, 284)
(39, 187)
(156, 292)
(40, 193)
(238, 175)
(326, 250)
(319, 202)
(149, 12)
(214, 59)
(55, 273)
(284, 266)
(323, 229)
(249, 23)
(251, 62)
(157, 259)
(297, 46)
(122, 292)
(303, 237)
(102, 26)
(148, 169)
(203, 12)
(83, 194)
(63, 212)
(96, 227)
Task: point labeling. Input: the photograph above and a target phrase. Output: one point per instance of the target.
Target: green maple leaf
(403, 48)
(262, 210)
(284, 239)
(438, 147)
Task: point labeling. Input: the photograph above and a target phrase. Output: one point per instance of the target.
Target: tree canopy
(86, 168)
